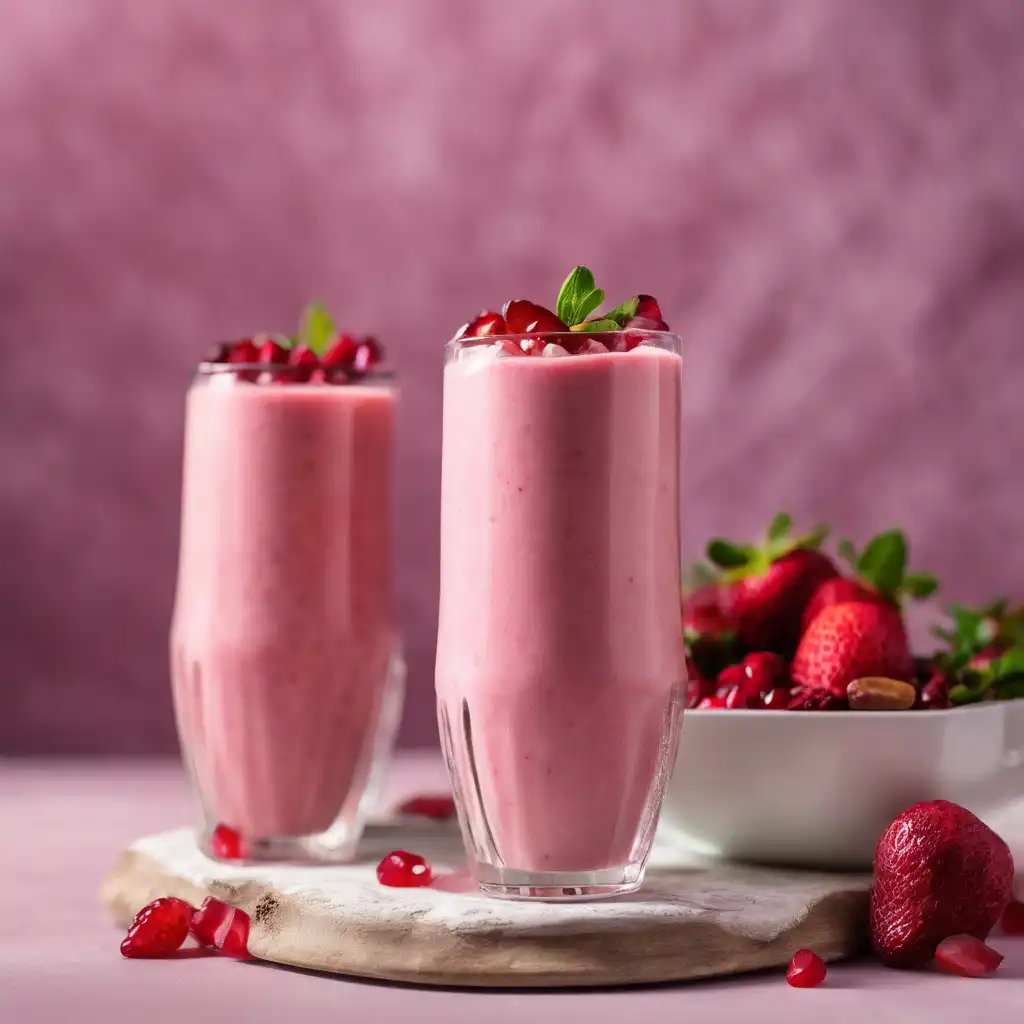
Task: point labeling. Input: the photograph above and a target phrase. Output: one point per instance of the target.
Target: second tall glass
(560, 666)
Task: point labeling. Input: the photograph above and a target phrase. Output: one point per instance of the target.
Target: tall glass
(285, 659)
(560, 666)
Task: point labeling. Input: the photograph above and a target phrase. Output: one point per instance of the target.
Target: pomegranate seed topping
(226, 843)
(806, 969)
(304, 361)
(244, 352)
(524, 317)
(711, 702)
(342, 352)
(730, 678)
(487, 323)
(159, 928)
(967, 956)
(438, 807)
(764, 671)
(1013, 918)
(271, 352)
(218, 353)
(742, 698)
(505, 347)
(647, 307)
(222, 927)
(776, 700)
(369, 353)
(934, 695)
(402, 870)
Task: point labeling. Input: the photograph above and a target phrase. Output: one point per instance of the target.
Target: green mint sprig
(579, 298)
(317, 328)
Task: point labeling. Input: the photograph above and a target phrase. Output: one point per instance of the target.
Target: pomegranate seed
(271, 352)
(304, 361)
(711, 702)
(486, 324)
(244, 352)
(438, 807)
(159, 929)
(647, 306)
(806, 969)
(222, 927)
(402, 870)
(218, 353)
(818, 700)
(764, 671)
(1013, 918)
(934, 695)
(967, 956)
(776, 700)
(730, 678)
(505, 347)
(226, 843)
(525, 317)
(342, 352)
(369, 353)
(741, 698)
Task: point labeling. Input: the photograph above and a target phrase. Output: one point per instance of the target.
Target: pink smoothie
(560, 654)
(283, 624)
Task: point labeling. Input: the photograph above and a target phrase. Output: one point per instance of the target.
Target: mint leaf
(780, 526)
(620, 314)
(602, 326)
(317, 328)
(577, 297)
(814, 537)
(884, 561)
(726, 554)
(920, 585)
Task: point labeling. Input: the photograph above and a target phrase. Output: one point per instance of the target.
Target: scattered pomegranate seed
(244, 352)
(369, 353)
(730, 678)
(304, 361)
(486, 324)
(764, 670)
(342, 352)
(271, 352)
(806, 969)
(525, 317)
(222, 927)
(226, 843)
(438, 807)
(967, 956)
(159, 929)
(403, 870)
(1013, 918)
(776, 700)
(818, 700)
(739, 697)
(934, 695)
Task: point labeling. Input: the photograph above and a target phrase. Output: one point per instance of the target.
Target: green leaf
(726, 554)
(780, 526)
(576, 297)
(814, 537)
(920, 585)
(701, 575)
(597, 326)
(846, 551)
(884, 561)
(620, 314)
(317, 328)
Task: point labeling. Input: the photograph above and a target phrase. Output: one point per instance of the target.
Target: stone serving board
(690, 920)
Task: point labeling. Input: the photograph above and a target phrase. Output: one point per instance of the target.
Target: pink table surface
(63, 824)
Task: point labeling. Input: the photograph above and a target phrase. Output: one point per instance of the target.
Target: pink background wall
(828, 197)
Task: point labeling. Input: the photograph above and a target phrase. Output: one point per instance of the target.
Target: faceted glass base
(558, 886)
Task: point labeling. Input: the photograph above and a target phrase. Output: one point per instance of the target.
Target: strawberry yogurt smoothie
(285, 657)
(560, 665)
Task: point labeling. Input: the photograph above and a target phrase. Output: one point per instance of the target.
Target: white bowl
(818, 788)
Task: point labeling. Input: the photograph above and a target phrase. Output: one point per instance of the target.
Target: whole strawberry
(881, 576)
(849, 641)
(939, 871)
(768, 586)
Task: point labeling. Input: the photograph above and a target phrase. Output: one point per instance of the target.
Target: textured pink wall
(828, 197)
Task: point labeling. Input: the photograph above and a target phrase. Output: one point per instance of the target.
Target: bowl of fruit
(810, 724)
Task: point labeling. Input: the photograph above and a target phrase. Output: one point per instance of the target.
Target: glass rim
(454, 344)
(205, 368)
